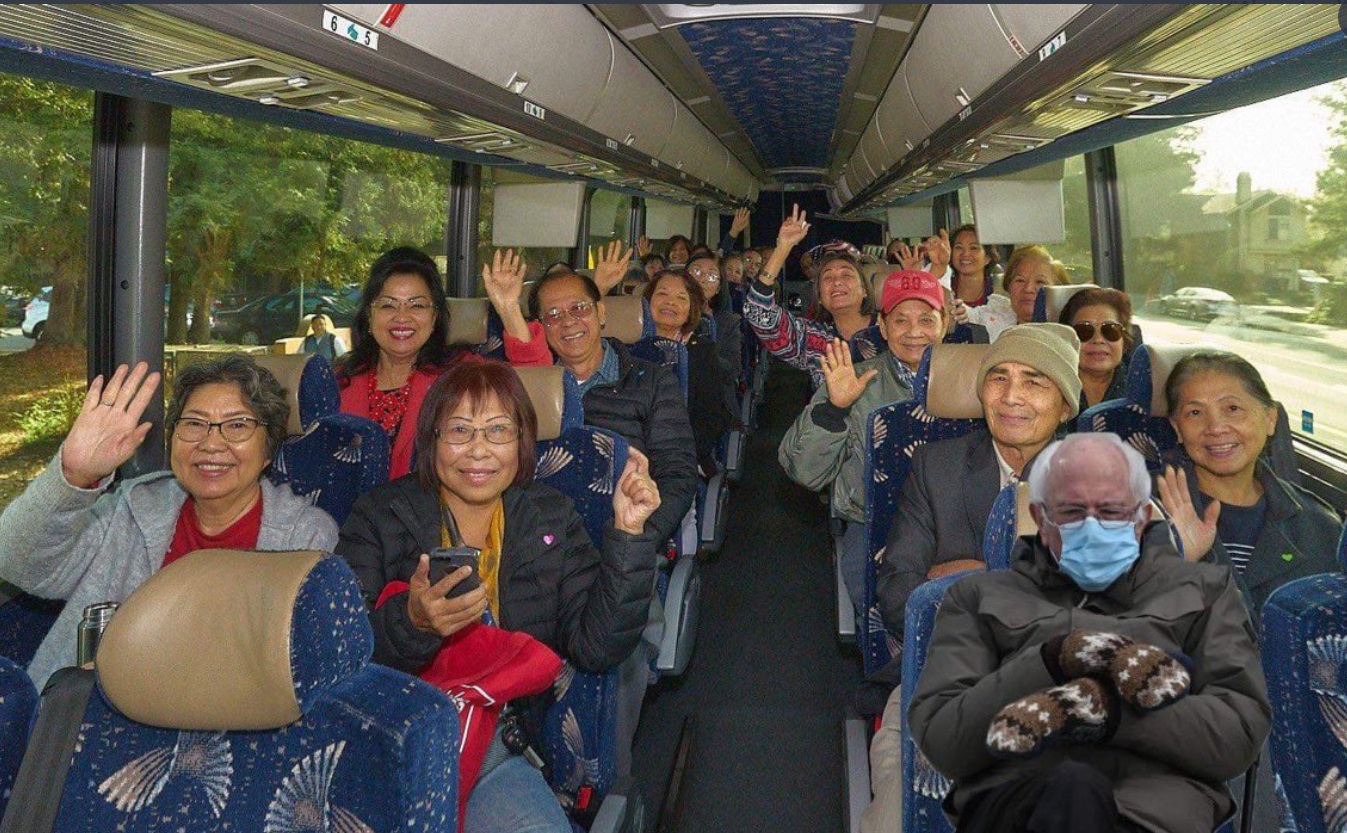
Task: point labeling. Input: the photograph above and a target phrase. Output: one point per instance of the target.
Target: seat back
(1052, 300)
(627, 318)
(18, 708)
(667, 353)
(24, 622)
(468, 322)
(582, 462)
(1304, 649)
(330, 457)
(1008, 521)
(893, 434)
(235, 692)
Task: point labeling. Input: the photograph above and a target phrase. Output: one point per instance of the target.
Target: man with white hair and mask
(1103, 683)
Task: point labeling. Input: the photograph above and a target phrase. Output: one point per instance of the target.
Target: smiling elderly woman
(68, 537)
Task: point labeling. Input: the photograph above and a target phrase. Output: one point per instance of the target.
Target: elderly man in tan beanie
(1029, 388)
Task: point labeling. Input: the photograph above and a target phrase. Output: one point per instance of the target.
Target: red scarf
(482, 668)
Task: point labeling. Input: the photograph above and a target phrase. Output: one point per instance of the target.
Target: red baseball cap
(907, 284)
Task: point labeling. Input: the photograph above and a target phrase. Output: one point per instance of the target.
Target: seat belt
(36, 798)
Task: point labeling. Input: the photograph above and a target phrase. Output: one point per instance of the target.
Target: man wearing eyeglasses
(1103, 683)
(641, 401)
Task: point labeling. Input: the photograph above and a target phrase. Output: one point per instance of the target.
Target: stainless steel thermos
(96, 618)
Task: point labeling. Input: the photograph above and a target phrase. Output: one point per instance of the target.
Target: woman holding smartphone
(538, 570)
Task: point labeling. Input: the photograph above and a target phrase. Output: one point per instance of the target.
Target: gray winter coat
(89, 545)
(826, 443)
(1168, 767)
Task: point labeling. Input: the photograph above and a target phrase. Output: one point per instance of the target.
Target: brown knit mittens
(1145, 676)
(1083, 711)
(1098, 668)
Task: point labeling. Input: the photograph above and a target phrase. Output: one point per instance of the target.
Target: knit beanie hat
(1051, 349)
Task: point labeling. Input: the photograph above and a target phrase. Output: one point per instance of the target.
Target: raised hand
(428, 608)
(739, 223)
(642, 246)
(937, 251)
(1198, 534)
(504, 280)
(839, 374)
(612, 266)
(636, 497)
(793, 230)
(909, 258)
(108, 429)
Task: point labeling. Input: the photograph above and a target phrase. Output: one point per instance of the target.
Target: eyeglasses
(709, 277)
(1071, 518)
(234, 430)
(578, 311)
(416, 306)
(498, 433)
(1111, 330)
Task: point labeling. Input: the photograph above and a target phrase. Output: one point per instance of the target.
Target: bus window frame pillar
(1101, 184)
(465, 203)
(580, 258)
(128, 231)
(636, 222)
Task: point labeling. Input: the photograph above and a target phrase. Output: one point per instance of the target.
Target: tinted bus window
(1076, 252)
(536, 258)
(45, 142)
(1232, 229)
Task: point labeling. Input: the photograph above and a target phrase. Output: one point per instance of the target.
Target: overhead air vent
(1117, 93)
(487, 141)
(264, 82)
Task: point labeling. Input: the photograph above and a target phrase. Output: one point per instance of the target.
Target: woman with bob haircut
(539, 572)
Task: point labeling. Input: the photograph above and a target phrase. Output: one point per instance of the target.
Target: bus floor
(768, 683)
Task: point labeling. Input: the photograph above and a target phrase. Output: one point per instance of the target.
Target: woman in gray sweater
(70, 536)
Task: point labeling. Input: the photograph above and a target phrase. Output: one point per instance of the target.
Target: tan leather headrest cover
(1055, 298)
(467, 321)
(624, 318)
(547, 391)
(1024, 522)
(1163, 359)
(953, 384)
(288, 370)
(204, 644)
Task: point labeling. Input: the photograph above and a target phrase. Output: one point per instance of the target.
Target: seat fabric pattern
(24, 622)
(999, 539)
(923, 787)
(337, 459)
(893, 434)
(319, 393)
(665, 352)
(18, 707)
(375, 750)
(1304, 627)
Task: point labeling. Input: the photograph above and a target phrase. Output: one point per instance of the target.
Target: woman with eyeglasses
(69, 537)
(636, 399)
(720, 321)
(1102, 318)
(400, 340)
(537, 570)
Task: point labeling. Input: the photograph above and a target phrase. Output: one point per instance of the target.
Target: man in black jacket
(641, 401)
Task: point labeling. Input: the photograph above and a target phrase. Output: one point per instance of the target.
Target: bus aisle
(768, 683)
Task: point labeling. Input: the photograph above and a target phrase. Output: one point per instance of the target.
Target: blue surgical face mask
(1094, 556)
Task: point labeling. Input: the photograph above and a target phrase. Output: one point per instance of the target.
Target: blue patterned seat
(584, 463)
(1304, 627)
(330, 457)
(943, 407)
(208, 719)
(18, 707)
(24, 622)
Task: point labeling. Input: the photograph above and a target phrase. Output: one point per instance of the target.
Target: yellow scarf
(488, 563)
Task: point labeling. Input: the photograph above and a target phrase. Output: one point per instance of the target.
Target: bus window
(1076, 252)
(609, 216)
(45, 142)
(535, 257)
(1229, 239)
(268, 225)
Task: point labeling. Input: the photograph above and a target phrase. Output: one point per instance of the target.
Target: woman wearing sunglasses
(1102, 319)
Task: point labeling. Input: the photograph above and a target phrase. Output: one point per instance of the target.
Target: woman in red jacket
(400, 341)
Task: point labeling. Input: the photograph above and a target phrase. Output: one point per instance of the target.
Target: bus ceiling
(701, 105)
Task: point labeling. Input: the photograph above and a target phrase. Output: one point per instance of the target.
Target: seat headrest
(227, 640)
(1052, 299)
(624, 318)
(1149, 370)
(467, 321)
(310, 387)
(555, 397)
(952, 381)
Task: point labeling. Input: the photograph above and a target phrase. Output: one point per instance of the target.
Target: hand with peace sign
(636, 497)
(937, 251)
(839, 374)
(504, 282)
(108, 430)
(793, 230)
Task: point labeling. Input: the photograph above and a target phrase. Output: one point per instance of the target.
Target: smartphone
(445, 560)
